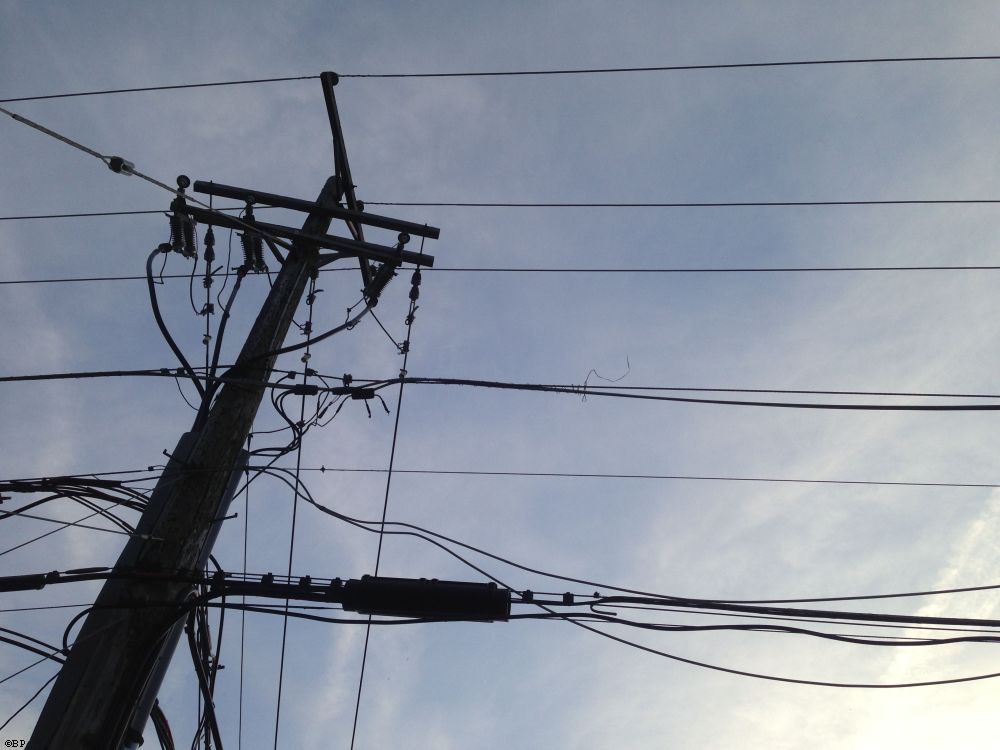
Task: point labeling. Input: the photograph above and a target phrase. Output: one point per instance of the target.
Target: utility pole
(126, 639)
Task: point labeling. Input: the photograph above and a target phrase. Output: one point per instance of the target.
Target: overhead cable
(168, 87)
(570, 204)
(586, 391)
(571, 270)
(578, 390)
(528, 72)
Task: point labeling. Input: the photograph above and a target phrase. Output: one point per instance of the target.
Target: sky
(809, 133)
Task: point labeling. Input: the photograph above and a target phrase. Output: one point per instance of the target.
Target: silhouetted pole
(122, 639)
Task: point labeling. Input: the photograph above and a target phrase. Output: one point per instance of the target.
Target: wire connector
(120, 166)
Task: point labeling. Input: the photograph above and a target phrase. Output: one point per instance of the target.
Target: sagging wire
(185, 365)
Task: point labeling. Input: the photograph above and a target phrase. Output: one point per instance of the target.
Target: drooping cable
(151, 285)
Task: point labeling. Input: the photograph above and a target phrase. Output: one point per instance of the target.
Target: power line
(625, 391)
(676, 477)
(575, 204)
(607, 393)
(169, 87)
(580, 475)
(405, 350)
(675, 68)
(92, 214)
(509, 73)
(707, 204)
(555, 270)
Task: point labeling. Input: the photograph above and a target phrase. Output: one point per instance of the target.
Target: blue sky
(815, 133)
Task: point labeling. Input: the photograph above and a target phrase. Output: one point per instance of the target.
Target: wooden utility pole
(117, 658)
(94, 696)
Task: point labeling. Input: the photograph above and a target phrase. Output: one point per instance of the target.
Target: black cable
(425, 533)
(347, 325)
(580, 391)
(171, 87)
(211, 383)
(51, 654)
(775, 678)
(50, 606)
(163, 372)
(246, 534)
(295, 499)
(162, 727)
(683, 477)
(76, 524)
(194, 271)
(670, 68)
(22, 670)
(203, 681)
(885, 641)
(775, 269)
(506, 73)
(405, 351)
(584, 475)
(28, 702)
(65, 525)
(687, 204)
(811, 620)
(163, 327)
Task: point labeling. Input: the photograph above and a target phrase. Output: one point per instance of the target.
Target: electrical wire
(676, 68)
(28, 702)
(186, 366)
(109, 161)
(688, 204)
(579, 390)
(735, 605)
(678, 477)
(49, 654)
(509, 73)
(775, 678)
(311, 297)
(586, 475)
(405, 351)
(246, 535)
(555, 270)
(22, 670)
(65, 525)
(169, 87)
(606, 392)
